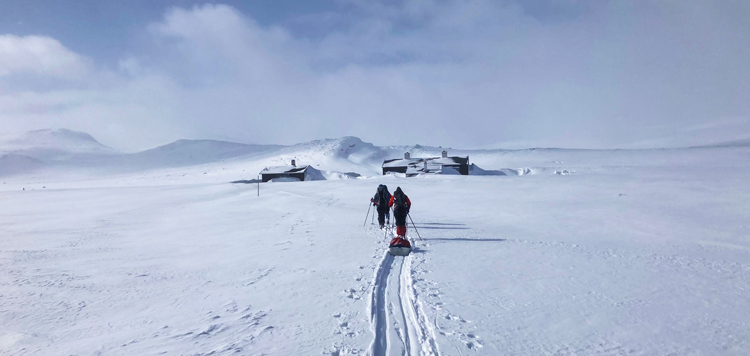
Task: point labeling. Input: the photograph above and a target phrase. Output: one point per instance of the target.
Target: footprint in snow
(351, 293)
(473, 342)
(230, 306)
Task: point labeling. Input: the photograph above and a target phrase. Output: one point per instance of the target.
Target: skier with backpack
(380, 201)
(401, 204)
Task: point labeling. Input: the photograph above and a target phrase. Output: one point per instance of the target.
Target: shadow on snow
(442, 228)
(463, 239)
(431, 223)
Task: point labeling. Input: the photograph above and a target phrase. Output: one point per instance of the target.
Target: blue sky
(108, 29)
(475, 73)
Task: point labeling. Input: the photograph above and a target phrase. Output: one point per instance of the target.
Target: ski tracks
(398, 320)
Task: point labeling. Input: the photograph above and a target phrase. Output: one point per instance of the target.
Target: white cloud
(38, 55)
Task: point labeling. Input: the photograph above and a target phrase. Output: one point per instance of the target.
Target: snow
(632, 252)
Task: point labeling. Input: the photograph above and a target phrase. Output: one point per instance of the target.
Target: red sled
(399, 246)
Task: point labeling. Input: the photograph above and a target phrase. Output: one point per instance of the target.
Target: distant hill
(49, 144)
(736, 143)
(11, 163)
(62, 152)
(189, 152)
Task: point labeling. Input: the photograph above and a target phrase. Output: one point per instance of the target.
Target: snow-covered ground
(572, 252)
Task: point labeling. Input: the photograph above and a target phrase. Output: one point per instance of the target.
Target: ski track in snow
(399, 324)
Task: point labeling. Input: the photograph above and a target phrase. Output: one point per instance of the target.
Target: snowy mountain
(54, 144)
(61, 150)
(36, 150)
(59, 153)
(192, 152)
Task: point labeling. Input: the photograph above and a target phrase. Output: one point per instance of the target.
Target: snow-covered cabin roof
(401, 162)
(431, 161)
(447, 161)
(284, 169)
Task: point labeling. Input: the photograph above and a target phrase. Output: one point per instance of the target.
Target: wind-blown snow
(631, 252)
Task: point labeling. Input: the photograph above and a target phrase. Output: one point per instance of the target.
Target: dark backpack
(400, 200)
(383, 198)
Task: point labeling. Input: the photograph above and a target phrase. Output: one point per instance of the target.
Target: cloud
(457, 72)
(442, 72)
(39, 55)
(213, 43)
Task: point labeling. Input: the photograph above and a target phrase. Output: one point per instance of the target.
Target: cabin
(431, 165)
(292, 171)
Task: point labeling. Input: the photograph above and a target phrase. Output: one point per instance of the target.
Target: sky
(465, 74)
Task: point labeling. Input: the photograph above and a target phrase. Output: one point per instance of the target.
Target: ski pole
(415, 226)
(368, 214)
(373, 218)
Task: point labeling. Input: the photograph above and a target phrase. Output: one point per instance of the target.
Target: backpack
(400, 200)
(383, 198)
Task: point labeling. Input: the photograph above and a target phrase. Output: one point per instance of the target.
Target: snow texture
(567, 252)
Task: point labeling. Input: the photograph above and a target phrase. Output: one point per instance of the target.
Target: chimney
(407, 155)
(294, 164)
(445, 154)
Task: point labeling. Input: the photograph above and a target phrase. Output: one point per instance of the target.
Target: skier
(401, 205)
(380, 200)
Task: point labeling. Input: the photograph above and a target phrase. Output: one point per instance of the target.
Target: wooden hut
(292, 171)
